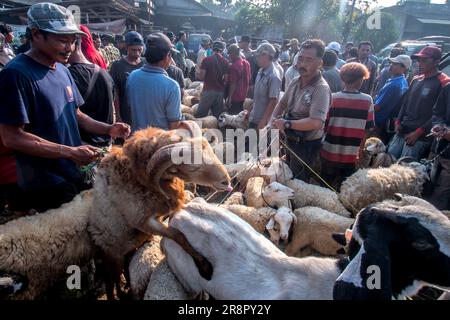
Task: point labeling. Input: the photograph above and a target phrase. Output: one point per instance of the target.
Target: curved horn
(161, 161)
(193, 128)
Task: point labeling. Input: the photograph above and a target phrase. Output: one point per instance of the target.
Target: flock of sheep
(207, 246)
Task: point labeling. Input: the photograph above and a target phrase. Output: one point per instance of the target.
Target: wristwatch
(287, 124)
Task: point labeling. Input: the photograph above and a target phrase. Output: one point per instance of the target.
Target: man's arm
(116, 130)
(267, 115)
(14, 137)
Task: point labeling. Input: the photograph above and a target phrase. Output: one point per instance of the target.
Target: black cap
(134, 38)
(159, 41)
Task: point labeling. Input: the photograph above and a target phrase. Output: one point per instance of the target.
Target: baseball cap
(218, 45)
(402, 59)
(134, 38)
(266, 48)
(335, 46)
(429, 52)
(159, 41)
(52, 18)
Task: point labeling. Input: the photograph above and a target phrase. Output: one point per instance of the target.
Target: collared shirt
(267, 86)
(367, 85)
(389, 97)
(312, 101)
(154, 98)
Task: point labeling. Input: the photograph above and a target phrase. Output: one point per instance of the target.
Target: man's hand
(412, 138)
(119, 130)
(278, 124)
(84, 155)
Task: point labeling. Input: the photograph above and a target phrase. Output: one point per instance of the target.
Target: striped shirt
(351, 114)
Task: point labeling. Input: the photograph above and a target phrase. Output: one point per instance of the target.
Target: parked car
(411, 47)
(193, 44)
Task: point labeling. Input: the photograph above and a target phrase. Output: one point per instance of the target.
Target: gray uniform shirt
(267, 85)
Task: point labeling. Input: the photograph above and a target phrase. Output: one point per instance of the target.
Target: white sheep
(314, 229)
(238, 121)
(368, 186)
(141, 266)
(209, 122)
(163, 285)
(188, 100)
(189, 110)
(236, 198)
(248, 104)
(271, 169)
(259, 195)
(247, 266)
(277, 222)
(198, 85)
(43, 246)
(309, 195)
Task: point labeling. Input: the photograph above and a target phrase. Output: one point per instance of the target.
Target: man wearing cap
(304, 108)
(213, 71)
(413, 123)
(364, 51)
(267, 87)
(111, 53)
(120, 70)
(385, 73)
(391, 94)
(154, 97)
(336, 47)
(202, 54)
(39, 114)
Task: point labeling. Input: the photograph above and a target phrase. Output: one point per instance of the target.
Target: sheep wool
(253, 193)
(257, 218)
(368, 186)
(308, 195)
(314, 230)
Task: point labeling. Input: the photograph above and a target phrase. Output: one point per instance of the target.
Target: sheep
(40, 248)
(188, 196)
(259, 195)
(154, 187)
(163, 285)
(309, 195)
(253, 193)
(314, 230)
(142, 265)
(271, 169)
(188, 100)
(368, 186)
(374, 155)
(447, 213)
(187, 82)
(249, 267)
(136, 186)
(198, 85)
(277, 222)
(188, 110)
(234, 121)
(236, 198)
(209, 122)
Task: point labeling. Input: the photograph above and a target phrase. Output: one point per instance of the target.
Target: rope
(316, 174)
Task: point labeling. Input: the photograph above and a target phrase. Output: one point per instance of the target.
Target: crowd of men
(71, 92)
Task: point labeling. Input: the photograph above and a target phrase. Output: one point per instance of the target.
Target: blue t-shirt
(44, 100)
(388, 98)
(154, 98)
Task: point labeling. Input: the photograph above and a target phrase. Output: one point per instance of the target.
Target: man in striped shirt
(351, 116)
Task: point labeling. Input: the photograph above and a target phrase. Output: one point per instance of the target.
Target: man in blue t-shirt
(39, 114)
(391, 94)
(154, 98)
